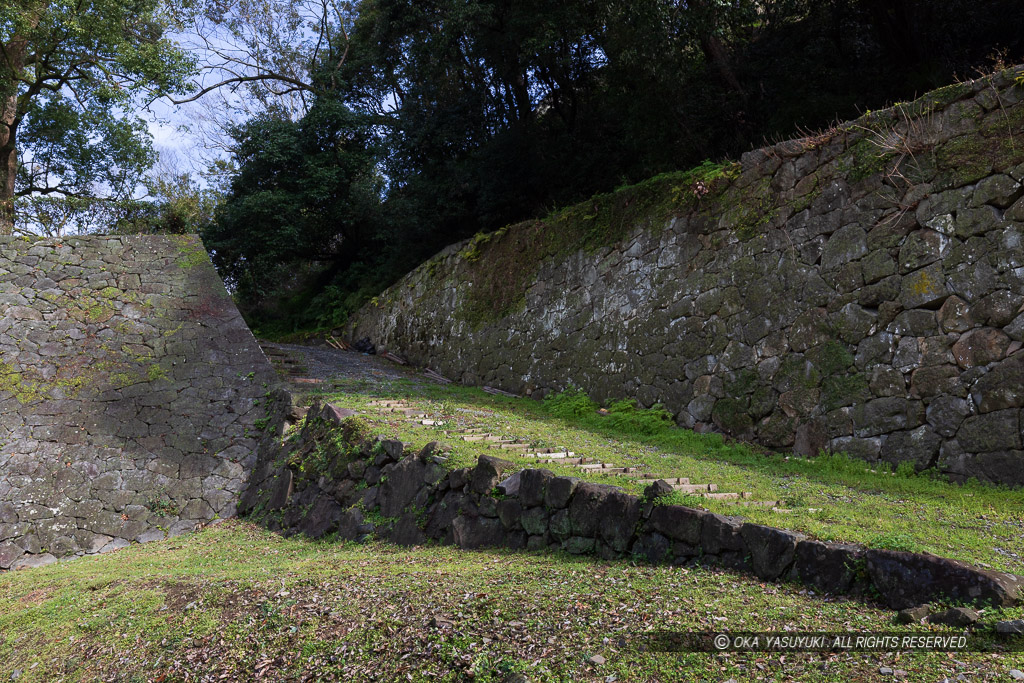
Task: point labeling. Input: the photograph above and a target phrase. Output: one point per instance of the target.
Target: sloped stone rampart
(320, 482)
(859, 291)
(129, 392)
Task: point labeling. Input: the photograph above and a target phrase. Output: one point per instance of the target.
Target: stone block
(559, 491)
(924, 288)
(828, 567)
(721, 534)
(477, 532)
(905, 579)
(488, 472)
(772, 550)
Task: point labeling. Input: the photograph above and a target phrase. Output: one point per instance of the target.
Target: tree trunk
(8, 162)
(9, 119)
(717, 54)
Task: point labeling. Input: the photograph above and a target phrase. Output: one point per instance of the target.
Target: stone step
(669, 480)
(512, 446)
(760, 503)
(605, 468)
(478, 437)
(431, 423)
(550, 454)
(727, 496)
(566, 461)
(695, 488)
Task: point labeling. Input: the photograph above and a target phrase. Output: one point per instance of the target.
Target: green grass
(235, 602)
(831, 497)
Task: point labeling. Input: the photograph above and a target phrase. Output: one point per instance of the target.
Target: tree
(69, 74)
(305, 191)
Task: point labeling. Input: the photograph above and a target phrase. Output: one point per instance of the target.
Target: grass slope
(832, 498)
(234, 602)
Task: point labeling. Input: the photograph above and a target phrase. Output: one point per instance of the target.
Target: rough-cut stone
(771, 550)
(652, 547)
(39, 560)
(403, 483)
(487, 473)
(1013, 627)
(998, 431)
(907, 579)
(658, 489)
(829, 567)
(407, 531)
(477, 532)
(981, 347)
(924, 288)
(912, 615)
(721, 534)
(1000, 387)
(533, 485)
(955, 316)
(955, 616)
(587, 502)
(559, 491)
(534, 521)
(510, 513)
(510, 486)
(9, 553)
(919, 447)
(678, 522)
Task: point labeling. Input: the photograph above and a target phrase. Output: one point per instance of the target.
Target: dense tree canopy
(70, 77)
(464, 115)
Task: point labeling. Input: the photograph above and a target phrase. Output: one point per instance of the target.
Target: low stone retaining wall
(326, 481)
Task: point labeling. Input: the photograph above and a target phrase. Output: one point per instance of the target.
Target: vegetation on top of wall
(501, 265)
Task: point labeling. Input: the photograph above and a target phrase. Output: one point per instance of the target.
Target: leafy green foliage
(482, 114)
(305, 191)
(71, 75)
(624, 416)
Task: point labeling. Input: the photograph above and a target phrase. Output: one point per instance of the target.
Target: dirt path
(311, 365)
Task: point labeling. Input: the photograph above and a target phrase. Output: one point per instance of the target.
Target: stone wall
(129, 392)
(325, 481)
(860, 290)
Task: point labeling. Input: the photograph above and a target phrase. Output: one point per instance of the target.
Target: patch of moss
(864, 159)
(742, 383)
(500, 266)
(731, 415)
(156, 372)
(797, 372)
(844, 390)
(191, 253)
(832, 358)
(24, 390)
(936, 100)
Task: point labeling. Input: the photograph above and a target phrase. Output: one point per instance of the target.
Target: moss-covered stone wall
(858, 290)
(129, 394)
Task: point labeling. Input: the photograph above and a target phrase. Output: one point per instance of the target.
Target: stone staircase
(288, 365)
(528, 453)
